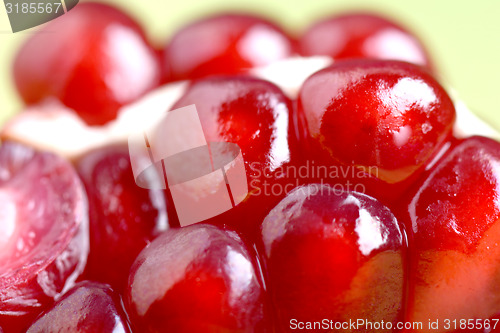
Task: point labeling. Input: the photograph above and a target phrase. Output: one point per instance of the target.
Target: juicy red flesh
(94, 60)
(385, 118)
(43, 232)
(123, 217)
(87, 307)
(363, 35)
(333, 255)
(254, 114)
(455, 235)
(225, 44)
(196, 279)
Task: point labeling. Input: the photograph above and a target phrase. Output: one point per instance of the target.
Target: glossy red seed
(196, 279)
(87, 307)
(225, 44)
(255, 115)
(124, 218)
(455, 235)
(363, 35)
(94, 59)
(43, 232)
(333, 255)
(382, 121)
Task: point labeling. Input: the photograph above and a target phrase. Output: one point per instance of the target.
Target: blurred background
(462, 37)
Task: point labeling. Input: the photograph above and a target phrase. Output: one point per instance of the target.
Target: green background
(463, 37)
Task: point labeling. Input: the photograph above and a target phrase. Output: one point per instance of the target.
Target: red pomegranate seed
(378, 122)
(196, 279)
(93, 59)
(124, 218)
(363, 35)
(455, 235)
(87, 307)
(43, 232)
(225, 44)
(333, 255)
